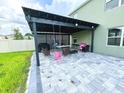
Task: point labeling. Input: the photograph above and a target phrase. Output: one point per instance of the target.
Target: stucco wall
(83, 36)
(16, 45)
(94, 11)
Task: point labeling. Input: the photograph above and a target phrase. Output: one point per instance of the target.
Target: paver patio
(82, 73)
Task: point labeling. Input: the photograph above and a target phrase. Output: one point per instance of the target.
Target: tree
(6, 37)
(29, 35)
(17, 34)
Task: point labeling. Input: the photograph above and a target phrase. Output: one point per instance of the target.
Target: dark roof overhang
(47, 22)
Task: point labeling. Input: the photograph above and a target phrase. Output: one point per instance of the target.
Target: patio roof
(47, 22)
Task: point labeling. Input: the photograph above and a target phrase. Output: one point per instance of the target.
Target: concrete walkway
(34, 84)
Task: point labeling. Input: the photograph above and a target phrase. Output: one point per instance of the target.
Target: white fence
(16, 45)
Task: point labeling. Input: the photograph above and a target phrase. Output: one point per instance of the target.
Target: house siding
(95, 12)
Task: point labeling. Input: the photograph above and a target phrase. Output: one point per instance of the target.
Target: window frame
(121, 37)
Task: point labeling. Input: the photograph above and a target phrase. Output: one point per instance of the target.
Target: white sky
(11, 14)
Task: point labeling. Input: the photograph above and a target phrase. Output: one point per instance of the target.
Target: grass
(13, 71)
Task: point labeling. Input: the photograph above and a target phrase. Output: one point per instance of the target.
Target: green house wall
(94, 11)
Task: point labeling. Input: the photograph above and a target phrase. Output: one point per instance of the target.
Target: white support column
(70, 41)
(122, 37)
(119, 2)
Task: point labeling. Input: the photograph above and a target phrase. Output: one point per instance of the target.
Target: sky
(12, 16)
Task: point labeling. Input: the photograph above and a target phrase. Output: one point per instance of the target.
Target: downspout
(92, 39)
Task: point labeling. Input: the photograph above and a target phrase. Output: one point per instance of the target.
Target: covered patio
(55, 27)
(75, 73)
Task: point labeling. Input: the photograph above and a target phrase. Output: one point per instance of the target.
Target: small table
(65, 49)
(63, 46)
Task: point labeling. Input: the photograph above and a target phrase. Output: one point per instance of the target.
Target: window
(114, 41)
(116, 36)
(110, 4)
(122, 1)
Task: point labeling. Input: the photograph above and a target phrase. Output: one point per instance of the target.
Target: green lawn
(14, 68)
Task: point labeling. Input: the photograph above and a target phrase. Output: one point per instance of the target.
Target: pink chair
(57, 55)
(82, 45)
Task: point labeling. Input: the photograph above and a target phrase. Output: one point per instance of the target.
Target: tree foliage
(29, 35)
(17, 34)
(6, 37)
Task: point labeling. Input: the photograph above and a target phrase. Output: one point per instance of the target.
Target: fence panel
(16, 45)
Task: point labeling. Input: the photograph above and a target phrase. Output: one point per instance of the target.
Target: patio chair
(66, 51)
(44, 48)
(85, 49)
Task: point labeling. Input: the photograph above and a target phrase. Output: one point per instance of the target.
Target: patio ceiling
(47, 22)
